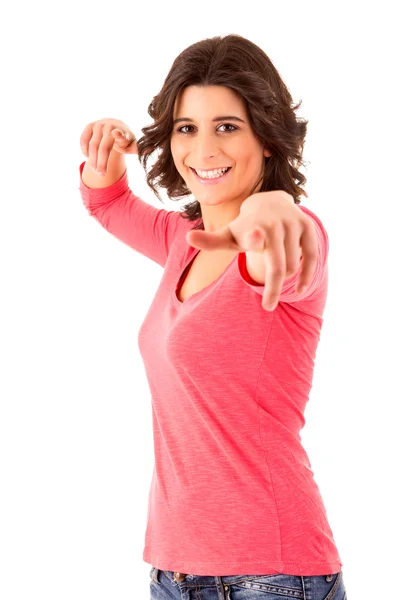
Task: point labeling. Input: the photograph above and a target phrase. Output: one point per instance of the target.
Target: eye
(179, 130)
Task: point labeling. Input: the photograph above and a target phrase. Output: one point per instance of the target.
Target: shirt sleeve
(288, 292)
(127, 217)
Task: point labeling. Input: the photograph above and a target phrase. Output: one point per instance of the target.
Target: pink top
(232, 490)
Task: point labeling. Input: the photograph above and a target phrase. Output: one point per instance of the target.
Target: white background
(76, 447)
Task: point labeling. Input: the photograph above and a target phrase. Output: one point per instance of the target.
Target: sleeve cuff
(94, 197)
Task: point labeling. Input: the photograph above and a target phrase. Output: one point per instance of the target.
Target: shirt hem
(247, 568)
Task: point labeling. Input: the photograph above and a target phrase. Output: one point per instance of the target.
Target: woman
(230, 338)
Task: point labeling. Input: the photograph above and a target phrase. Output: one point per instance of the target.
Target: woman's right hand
(99, 138)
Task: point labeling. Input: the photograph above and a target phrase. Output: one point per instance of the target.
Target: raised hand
(275, 234)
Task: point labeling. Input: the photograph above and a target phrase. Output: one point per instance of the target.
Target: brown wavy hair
(237, 63)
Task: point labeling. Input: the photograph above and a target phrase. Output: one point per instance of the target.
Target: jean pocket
(276, 584)
(325, 587)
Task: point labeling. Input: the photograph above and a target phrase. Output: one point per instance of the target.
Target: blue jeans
(164, 586)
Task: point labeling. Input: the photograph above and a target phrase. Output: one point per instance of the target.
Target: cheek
(178, 156)
(177, 148)
(250, 165)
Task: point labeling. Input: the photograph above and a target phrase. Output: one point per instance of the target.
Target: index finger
(85, 138)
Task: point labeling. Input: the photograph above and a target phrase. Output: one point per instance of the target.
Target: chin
(210, 201)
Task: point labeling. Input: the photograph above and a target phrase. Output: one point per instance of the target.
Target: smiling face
(214, 131)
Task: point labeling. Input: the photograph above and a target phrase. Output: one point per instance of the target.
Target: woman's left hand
(275, 233)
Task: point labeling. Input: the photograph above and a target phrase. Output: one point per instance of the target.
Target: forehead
(207, 101)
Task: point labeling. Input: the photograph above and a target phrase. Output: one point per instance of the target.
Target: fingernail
(269, 305)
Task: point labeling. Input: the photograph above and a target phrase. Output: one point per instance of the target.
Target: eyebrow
(228, 118)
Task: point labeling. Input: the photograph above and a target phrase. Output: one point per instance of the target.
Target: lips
(195, 172)
(213, 180)
(216, 169)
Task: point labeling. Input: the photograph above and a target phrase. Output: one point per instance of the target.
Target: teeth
(211, 174)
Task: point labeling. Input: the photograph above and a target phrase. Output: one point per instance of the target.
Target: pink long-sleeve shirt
(232, 489)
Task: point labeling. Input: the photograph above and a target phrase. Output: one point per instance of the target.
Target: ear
(267, 152)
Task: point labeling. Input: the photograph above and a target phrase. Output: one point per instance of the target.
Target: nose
(206, 146)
